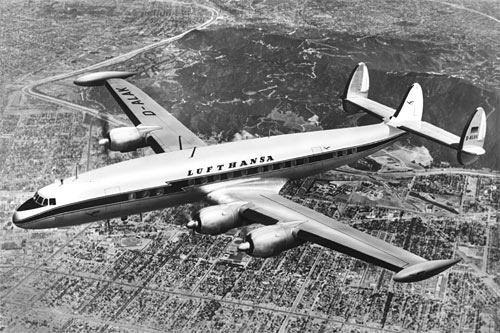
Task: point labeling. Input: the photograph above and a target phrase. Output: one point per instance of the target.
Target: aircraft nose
(23, 212)
(17, 219)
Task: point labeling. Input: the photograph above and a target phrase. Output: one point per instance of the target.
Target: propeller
(244, 245)
(104, 124)
(192, 224)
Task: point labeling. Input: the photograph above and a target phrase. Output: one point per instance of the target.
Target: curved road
(30, 89)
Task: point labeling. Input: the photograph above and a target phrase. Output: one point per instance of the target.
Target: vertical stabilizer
(357, 87)
(472, 139)
(412, 107)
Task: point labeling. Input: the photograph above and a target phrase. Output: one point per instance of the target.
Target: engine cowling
(270, 240)
(126, 139)
(215, 220)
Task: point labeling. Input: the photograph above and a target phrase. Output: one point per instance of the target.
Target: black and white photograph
(250, 166)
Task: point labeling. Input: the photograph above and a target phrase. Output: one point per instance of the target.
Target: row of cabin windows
(147, 193)
(238, 173)
(44, 201)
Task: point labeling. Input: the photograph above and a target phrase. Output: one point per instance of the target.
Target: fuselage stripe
(179, 186)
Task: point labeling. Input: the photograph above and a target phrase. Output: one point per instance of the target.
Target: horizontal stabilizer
(469, 145)
(99, 78)
(424, 270)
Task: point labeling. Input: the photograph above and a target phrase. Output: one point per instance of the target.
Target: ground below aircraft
(242, 179)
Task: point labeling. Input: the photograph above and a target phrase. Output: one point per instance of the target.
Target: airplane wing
(315, 227)
(143, 110)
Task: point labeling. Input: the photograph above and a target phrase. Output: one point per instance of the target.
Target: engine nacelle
(270, 240)
(215, 220)
(126, 139)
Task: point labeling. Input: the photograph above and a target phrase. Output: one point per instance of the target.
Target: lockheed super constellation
(242, 179)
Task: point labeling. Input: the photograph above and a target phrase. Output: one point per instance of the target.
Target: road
(462, 7)
(31, 90)
(413, 173)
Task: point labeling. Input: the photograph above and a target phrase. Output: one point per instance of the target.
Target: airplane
(241, 180)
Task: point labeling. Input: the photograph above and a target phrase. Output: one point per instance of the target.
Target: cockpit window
(39, 200)
(43, 201)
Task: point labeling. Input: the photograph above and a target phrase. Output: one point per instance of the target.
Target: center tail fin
(412, 106)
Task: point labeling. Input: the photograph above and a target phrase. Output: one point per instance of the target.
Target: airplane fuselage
(168, 179)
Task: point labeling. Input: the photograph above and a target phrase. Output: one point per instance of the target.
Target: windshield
(43, 201)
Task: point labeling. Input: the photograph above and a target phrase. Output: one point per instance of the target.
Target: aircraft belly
(48, 222)
(152, 203)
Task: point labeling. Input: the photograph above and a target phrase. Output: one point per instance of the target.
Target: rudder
(472, 139)
(357, 86)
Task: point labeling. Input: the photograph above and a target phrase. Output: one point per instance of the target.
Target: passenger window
(160, 191)
(237, 174)
(204, 180)
(339, 153)
(276, 166)
(216, 177)
(224, 176)
(145, 194)
(288, 164)
(244, 172)
(349, 151)
(52, 201)
(299, 161)
(210, 179)
(131, 196)
(253, 171)
(191, 182)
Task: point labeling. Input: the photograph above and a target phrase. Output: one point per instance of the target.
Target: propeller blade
(104, 124)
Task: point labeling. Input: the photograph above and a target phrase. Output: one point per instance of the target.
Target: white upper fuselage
(163, 180)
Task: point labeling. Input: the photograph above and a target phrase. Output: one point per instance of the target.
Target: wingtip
(98, 78)
(424, 270)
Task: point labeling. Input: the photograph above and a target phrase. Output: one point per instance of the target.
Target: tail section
(408, 117)
(472, 140)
